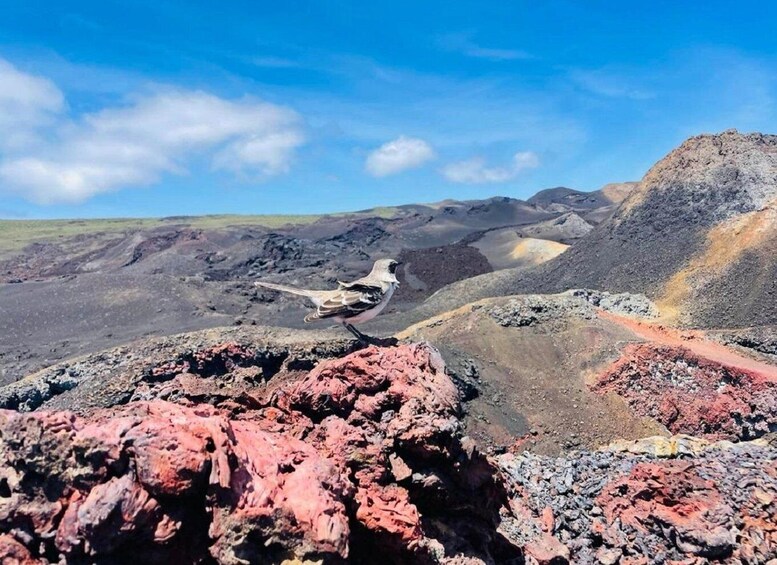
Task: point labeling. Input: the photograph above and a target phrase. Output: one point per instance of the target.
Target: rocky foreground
(216, 459)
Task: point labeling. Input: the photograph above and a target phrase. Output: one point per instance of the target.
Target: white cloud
(398, 155)
(525, 160)
(135, 144)
(475, 171)
(269, 154)
(27, 103)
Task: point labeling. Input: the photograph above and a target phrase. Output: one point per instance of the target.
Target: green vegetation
(17, 234)
(381, 212)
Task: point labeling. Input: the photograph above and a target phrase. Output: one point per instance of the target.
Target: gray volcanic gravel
(75, 295)
(529, 310)
(568, 489)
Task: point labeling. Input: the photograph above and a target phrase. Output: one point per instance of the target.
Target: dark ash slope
(668, 226)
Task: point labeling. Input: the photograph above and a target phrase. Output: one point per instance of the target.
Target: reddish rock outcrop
(670, 498)
(608, 507)
(676, 501)
(362, 455)
(216, 360)
(693, 395)
(14, 553)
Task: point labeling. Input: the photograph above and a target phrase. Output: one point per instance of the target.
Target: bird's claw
(365, 339)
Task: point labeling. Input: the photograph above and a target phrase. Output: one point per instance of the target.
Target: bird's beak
(396, 280)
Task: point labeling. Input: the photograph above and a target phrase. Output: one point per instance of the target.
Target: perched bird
(352, 303)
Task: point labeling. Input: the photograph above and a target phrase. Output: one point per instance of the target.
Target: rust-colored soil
(696, 342)
(692, 395)
(725, 243)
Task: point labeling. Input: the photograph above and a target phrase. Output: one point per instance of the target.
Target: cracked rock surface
(360, 455)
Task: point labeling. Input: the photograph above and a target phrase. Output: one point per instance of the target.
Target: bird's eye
(392, 268)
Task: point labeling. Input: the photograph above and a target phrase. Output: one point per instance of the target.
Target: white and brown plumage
(351, 303)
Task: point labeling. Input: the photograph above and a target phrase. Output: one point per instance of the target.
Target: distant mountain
(593, 207)
(616, 192)
(698, 234)
(568, 198)
(613, 193)
(101, 282)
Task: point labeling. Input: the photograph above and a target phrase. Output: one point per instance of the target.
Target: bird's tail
(284, 288)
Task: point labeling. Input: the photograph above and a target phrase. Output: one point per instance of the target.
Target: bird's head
(386, 270)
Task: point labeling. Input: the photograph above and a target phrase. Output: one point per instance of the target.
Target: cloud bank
(475, 171)
(27, 103)
(398, 155)
(48, 157)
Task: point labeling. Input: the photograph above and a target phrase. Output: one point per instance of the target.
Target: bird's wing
(364, 284)
(364, 281)
(347, 302)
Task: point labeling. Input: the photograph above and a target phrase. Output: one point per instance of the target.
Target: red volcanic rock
(14, 553)
(388, 511)
(283, 493)
(719, 505)
(547, 550)
(111, 515)
(219, 359)
(693, 395)
(377, 407)
(673, 499)
(362, 455)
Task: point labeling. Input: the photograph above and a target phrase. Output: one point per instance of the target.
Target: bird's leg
(359, 335)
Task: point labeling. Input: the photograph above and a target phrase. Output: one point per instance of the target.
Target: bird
(352, 302)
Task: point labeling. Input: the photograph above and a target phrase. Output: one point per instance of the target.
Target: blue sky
(171, 107)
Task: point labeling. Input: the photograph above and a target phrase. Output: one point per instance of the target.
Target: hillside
(149, 408)
(518, 437)
(75, 286)
(697, 235)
